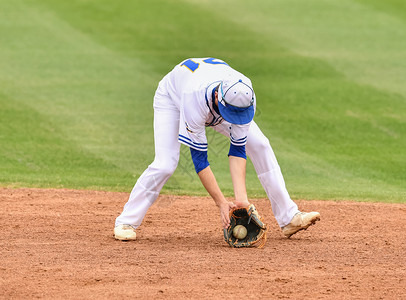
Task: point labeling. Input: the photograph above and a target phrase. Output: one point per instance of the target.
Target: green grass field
(77, 80)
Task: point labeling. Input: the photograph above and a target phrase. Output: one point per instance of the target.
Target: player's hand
(225, 208)
(242, 203)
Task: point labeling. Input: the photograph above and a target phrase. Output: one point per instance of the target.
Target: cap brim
(237, 115)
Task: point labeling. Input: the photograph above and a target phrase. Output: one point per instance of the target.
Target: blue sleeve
(238, 151)
(199, 159)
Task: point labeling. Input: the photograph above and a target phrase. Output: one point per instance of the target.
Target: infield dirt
(58, 244)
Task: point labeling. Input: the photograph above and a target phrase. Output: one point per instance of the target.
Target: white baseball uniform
(183, 107)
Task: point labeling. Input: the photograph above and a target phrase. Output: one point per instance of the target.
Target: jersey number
(192, 66)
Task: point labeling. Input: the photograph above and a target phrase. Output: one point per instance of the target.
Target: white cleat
(301, 221)
(124, 233)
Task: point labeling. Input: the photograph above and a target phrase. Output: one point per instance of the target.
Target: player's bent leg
(167, 150)
(286, 212)
(269, 174)
(147, 189)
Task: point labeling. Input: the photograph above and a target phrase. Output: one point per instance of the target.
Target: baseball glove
(256, 229)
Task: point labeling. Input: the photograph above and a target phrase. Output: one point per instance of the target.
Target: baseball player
(200, 93)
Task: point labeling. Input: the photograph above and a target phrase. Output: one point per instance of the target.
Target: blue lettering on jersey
(192, 65)
(212, 62)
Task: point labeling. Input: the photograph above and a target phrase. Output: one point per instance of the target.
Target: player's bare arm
(210, 183)
(237, 171)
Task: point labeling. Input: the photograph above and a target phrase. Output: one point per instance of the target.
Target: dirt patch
(59, 244)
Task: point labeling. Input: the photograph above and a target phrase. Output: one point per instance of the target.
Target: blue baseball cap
(236, 101)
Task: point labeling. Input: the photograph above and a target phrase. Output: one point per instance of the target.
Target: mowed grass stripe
(84, 87)
(35, 153)
(396, 8)
(363, 40)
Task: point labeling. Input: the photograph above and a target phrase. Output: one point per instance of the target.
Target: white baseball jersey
(190, 84)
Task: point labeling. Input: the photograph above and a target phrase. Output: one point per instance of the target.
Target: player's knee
(165, 167)
(259, 146)
(168, 170)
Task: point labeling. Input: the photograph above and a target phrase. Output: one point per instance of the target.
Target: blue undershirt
(238, 151)
(200, 157)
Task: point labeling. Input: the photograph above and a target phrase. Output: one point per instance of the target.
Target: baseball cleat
(124, 233)
(301, 221)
